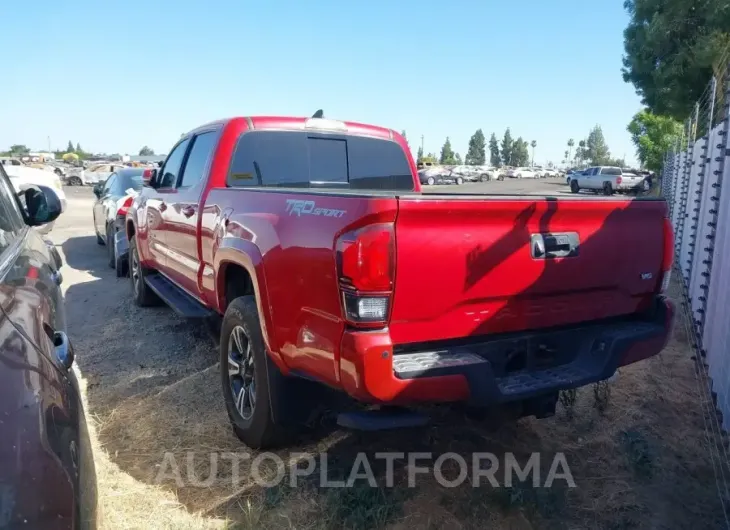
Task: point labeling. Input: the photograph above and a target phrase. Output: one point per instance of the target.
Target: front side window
(109, 183)
(171, 169)
(11, 218)
(200, 154)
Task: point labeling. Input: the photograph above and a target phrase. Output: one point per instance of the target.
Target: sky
(115, 76)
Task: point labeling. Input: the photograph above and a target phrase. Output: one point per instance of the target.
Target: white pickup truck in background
(609, 180)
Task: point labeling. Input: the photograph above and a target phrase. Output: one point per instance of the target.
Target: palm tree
(533, 144)
(580, 152)
(571, 143)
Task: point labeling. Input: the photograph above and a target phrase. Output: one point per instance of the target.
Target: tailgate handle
(547, 246)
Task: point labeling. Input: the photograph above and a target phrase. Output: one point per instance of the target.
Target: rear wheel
(646, 185)
(459, 181)
(247, 387)
(484, 178)
(110, 246)
(143, 295)
(500, 177)
(607, 189)
(430, 181)
(574, 186)
(74, 181)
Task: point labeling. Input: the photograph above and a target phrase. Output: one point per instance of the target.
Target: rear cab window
(611, 171)
(319, 160)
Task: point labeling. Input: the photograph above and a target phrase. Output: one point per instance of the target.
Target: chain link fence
(695, 172)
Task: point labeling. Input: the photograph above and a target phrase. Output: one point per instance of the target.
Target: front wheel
(459, 181)
(501, 177)
(574, 186)
(484, 178)
(75, 181)
(430, 181)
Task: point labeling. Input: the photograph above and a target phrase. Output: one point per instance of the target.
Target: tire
(430, 181)
(484, 178)
(112, 261)
(143, 295)
(646, 185)
(244, 376)
(607, 189)
(75, 181)
(501, 177)
(459, 181)
(574, 186)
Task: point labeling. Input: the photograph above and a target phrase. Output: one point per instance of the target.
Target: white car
(93, 174)
(23, 177)
(521, 173)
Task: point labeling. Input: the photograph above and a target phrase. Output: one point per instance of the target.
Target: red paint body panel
(463, 265)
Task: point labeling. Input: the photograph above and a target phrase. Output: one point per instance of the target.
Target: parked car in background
(608, 179)
(114, 196)
(521, 173)
(321, 283)
(23, 177)
(539, 171)
(435, 175)
(47, 477)
(92, 174)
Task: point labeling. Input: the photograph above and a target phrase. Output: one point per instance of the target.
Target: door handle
(547, 246)
(163, 206)
(188, 211)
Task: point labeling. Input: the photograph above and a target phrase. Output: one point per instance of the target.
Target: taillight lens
(124, 205)
(366, 270)
(668, 255)
(618, 180)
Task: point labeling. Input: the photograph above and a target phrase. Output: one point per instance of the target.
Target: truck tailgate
(476, 265)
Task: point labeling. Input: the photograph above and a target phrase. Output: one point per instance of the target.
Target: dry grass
(642, 463)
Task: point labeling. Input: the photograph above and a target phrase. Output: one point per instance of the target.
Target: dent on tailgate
(465, 267)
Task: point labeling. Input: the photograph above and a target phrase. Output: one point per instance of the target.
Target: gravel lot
(152, 386)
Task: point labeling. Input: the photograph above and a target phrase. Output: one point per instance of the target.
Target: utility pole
(421, 143)
(49, 144)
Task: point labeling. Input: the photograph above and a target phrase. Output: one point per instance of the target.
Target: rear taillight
(618, 180)
(668, 255)
(365, 270)
(123, 206)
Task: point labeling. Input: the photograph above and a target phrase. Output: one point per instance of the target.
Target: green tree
(653, 136)
(671, 49)
(70, 148)
(146, 151)
(596, 149)
(419, 156)
(533, 144)
(457, 159)
(507, 148)
(447, 154)
(520, 153)
(566, 157)
(580, 152)
(78, 148)
(569, 152)
(18, 150)
(476, 155)
(494, 158)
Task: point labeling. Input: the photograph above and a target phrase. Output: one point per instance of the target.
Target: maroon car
(47, 478)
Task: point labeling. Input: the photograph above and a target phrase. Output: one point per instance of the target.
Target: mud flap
(121, 245)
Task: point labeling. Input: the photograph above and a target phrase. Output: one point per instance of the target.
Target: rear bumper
(505, 368)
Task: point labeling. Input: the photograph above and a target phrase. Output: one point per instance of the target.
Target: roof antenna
(318, 114)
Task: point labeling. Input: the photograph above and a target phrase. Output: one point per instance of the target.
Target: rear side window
(610, 171)
(303, 159)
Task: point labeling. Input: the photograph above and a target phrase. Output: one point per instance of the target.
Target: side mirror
(148, 178)
(98, 187)
(42, 205)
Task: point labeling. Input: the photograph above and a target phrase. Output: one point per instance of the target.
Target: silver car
(608, 179)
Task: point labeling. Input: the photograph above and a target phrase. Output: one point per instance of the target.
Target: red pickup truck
(313, 241)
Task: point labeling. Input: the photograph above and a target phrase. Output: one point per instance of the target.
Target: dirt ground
(638, 452)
